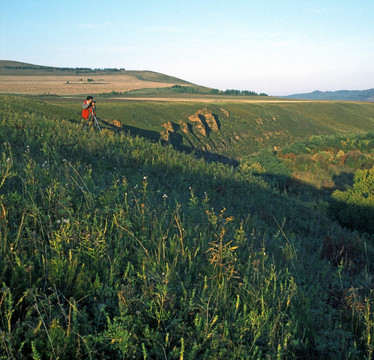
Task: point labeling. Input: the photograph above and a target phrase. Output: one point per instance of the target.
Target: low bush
(355, 207)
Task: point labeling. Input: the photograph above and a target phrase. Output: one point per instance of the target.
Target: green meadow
(121, 245)
(244, 127)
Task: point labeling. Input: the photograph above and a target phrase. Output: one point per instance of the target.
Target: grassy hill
(113, 246)
(23, 78)
(233, 129)
(16, 68)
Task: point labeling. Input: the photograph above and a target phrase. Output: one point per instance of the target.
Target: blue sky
(277, 47)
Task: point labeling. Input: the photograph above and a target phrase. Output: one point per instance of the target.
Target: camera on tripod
(89, 112)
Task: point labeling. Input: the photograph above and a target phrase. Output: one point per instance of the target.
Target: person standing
(88, 108)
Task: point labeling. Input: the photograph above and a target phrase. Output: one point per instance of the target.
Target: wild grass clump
(116, 247)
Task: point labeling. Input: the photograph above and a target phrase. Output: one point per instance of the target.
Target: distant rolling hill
(23, 78)
(12, 68)
(340, 95)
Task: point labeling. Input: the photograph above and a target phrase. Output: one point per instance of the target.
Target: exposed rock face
(170, 134)
(205, 121)
(165, 136)
(210, 119)
(184, 127)
(169, 128)
(202, 121)
(199, 125)
(117, 123)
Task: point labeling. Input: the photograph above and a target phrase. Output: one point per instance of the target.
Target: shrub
(296, 148)
(355, 207)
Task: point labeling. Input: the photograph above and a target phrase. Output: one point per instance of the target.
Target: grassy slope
(112, 246)
(249, 127)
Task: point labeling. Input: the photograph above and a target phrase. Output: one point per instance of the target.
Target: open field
(73, 85)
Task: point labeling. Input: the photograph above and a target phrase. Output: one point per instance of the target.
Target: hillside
(113, 246)
(231, 130)
(340, 95)
(20, 68)
(23, 78)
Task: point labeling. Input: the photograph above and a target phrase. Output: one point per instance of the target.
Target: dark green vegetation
(341, 166)
(191, 90)
(344, 95)
(185, 89)
(355, 207)
(113, 246)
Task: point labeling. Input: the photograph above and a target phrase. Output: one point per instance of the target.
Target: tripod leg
(88, 120)
(97, 123)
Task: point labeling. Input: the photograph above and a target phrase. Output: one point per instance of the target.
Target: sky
(278, 47)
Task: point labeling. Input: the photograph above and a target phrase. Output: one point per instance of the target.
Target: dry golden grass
(73, 85)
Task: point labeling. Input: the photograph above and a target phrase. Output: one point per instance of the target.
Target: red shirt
(87, 110)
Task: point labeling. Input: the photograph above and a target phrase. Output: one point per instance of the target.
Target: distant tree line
(50, 68)
(186, 89)
(193, 90)
(236, 92)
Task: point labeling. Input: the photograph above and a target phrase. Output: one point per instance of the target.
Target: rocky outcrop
(117, 124)
(169, 128)
(201, 122)
(186, 128)
(204, 121)
(170, 134)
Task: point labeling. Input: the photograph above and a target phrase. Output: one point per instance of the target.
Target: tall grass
(115, 247)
